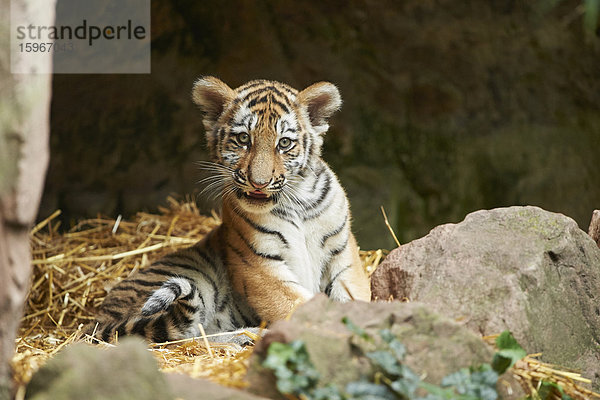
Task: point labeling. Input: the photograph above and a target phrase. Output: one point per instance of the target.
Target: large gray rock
(519, 268)
(81, 371)
(127, 372)
(185, 387)
(436, 346)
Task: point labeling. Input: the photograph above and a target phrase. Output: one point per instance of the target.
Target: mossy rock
(436, 346)
(81, 371)
(522, 269)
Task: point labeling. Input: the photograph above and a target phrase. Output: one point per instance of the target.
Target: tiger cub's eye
(285, 143)
(244, 138)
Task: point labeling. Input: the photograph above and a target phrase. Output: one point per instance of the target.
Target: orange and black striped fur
(286, 222)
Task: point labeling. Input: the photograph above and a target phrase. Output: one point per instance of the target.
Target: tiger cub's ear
(320, 100)
(212, 95)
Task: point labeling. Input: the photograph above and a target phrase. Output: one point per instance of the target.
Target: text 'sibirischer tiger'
(285, 234)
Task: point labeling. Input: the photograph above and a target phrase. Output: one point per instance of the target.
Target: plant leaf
(357, 330)
(292, 367)
(506, 341)
(393, 343)
(509, 352)
(367, 390)
(387, 362)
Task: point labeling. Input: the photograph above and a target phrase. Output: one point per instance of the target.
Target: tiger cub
(285, 233)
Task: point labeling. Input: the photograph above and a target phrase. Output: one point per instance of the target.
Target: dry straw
(72, 272)
(531, 373)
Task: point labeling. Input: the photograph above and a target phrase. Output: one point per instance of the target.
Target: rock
(436, 346)
(126, 372)
(594, 229)
(524, 269)
(82, 371)
(458, 101)
(187, 388)
(509, 387)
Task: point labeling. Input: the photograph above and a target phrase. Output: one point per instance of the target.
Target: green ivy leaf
(357, 330)
(509, 352)
(438, 393)
(506, 341)
(292, 367)
(363, 390)
(477, 383)
(394, 344)
(386, 361)
(405, 387)
(297, 376)
(485, 376)
(387, 335)
(278, 355)
(329, 392)
(547, 389)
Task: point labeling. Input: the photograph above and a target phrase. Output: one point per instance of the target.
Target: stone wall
(449, 107)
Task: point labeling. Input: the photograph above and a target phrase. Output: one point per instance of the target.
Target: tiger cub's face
(264, 136)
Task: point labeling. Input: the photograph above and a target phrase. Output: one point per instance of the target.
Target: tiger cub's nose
(258, 185)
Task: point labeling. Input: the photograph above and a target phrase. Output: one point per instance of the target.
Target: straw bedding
(72, 272)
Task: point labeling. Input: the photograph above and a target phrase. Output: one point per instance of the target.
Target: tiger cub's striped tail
(171, 291)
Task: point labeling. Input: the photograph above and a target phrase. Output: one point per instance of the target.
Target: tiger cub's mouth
(257, 194)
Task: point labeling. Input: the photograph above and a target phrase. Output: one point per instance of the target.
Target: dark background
(449, 107)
